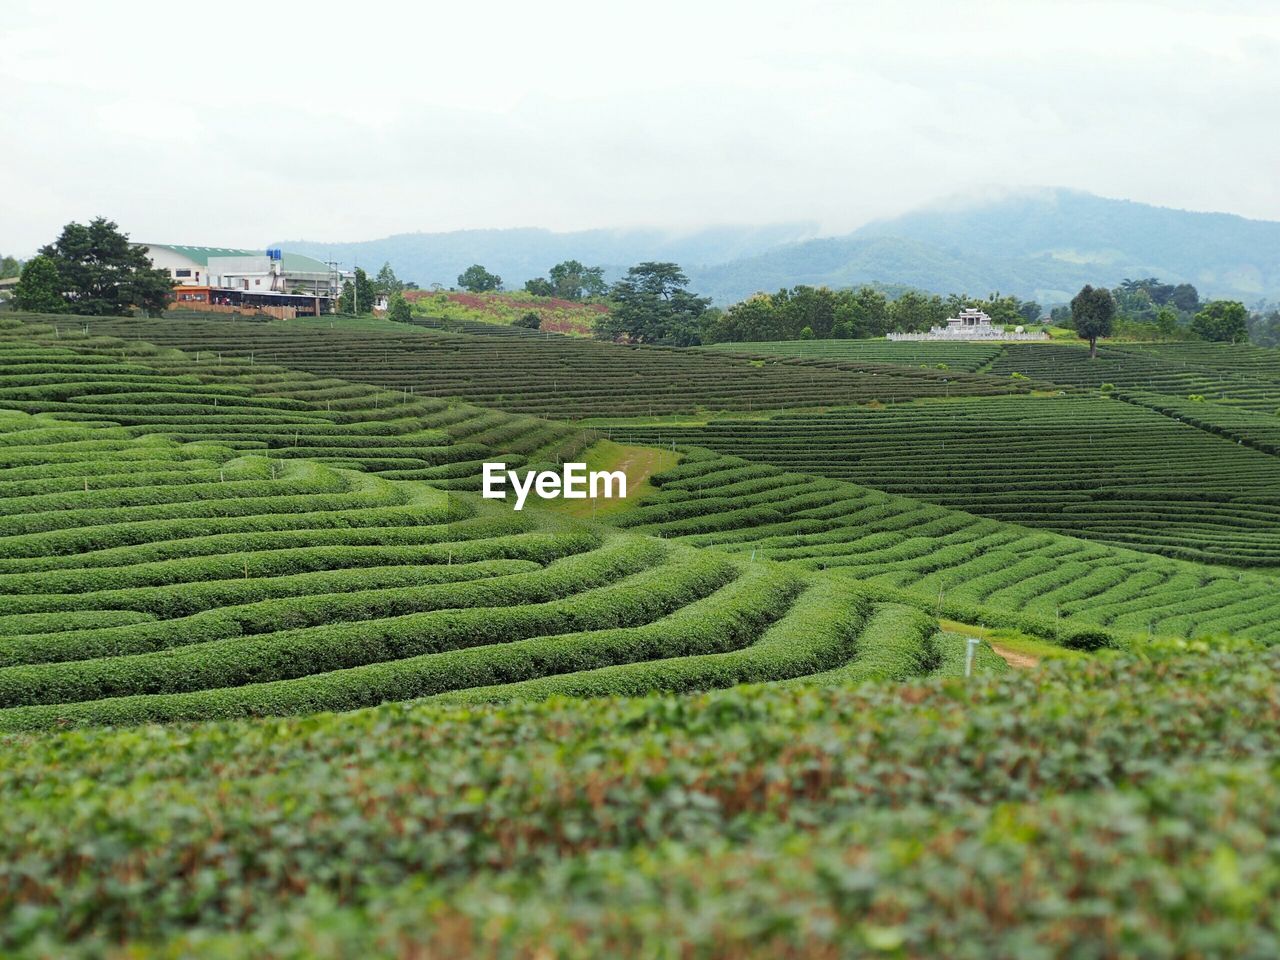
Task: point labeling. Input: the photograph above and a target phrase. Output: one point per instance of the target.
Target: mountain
(1043, 244)
(516, 255)
(855, 260)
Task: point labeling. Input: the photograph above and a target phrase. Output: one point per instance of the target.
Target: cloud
(245, 121)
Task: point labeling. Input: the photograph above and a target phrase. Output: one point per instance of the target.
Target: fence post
(969, 650)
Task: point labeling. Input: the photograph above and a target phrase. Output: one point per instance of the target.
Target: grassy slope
(637, 462)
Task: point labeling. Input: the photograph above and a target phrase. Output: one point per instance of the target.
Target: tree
(654, 307)
(1092, 313)
(398, 308)
(914, 311)
(1030, 311)
(358, 297)
(386, 282)
(1264, 327)
(530, 321)
(477, 279)
(1225, 321)
(539, 287)
(864, 313)
(573, 281)
(812, 308)
(753, 319)
(102, 274)
(10, 267)
(1000, 309)
(1167, 320)
(1184, 297)
(40, 287)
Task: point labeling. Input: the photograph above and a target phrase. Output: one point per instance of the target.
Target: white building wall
(183, 270)
(243, 273)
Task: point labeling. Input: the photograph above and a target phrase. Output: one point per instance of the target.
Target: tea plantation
(961, 355)
(1114, 472)
(1241, 375)
(275, 681)
(187, 583)
(546, 374)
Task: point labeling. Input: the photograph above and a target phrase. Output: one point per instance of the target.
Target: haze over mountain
(1042, 244)
(518, 254)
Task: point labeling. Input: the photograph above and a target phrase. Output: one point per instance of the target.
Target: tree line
(361, 294)
(567, 280)
(92, 269)
(819, 313)
(1147, 309)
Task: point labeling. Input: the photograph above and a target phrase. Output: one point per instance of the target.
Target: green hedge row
(817, 632)
(363, 664)
(254, 640)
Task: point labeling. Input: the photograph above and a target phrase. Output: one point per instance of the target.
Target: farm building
(229, 279)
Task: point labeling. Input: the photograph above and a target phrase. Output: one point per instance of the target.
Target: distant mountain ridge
(519, 254)
(1041, 244)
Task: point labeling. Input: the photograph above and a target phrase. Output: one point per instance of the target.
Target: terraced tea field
(956, 356)
(1110, 471)
(757, 822)
(550, 376)
(275, 681)
(966, 567)
(258, 407)
(1244, 377)
(148, 580)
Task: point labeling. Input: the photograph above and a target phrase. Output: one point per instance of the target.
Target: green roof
(290, 262)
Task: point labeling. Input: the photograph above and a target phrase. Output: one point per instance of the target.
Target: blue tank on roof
(275, 253)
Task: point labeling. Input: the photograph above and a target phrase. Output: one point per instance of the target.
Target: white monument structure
(971, 324)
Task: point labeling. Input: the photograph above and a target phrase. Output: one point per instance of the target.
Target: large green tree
(1001, 309)
(1225, 321)
(1264, 327)
(812, 309)
(573, 281)
(1030, 310)
(398, 308)
(39, 288)
(386, 282)
(752, 319)
(102, 274)
(569, 280)
(916, 312)
(863, 313)
(10, 267)
(477, 279)
(1093, 312)
(653, 306)
(1184, 297)
(358, 297)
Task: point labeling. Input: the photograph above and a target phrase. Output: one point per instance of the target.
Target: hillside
(727, 715)
(1044, 245)
(520, 254)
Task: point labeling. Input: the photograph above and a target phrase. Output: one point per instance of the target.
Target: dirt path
(1019, 661)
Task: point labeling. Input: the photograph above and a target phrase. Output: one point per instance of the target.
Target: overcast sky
(238, 123)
